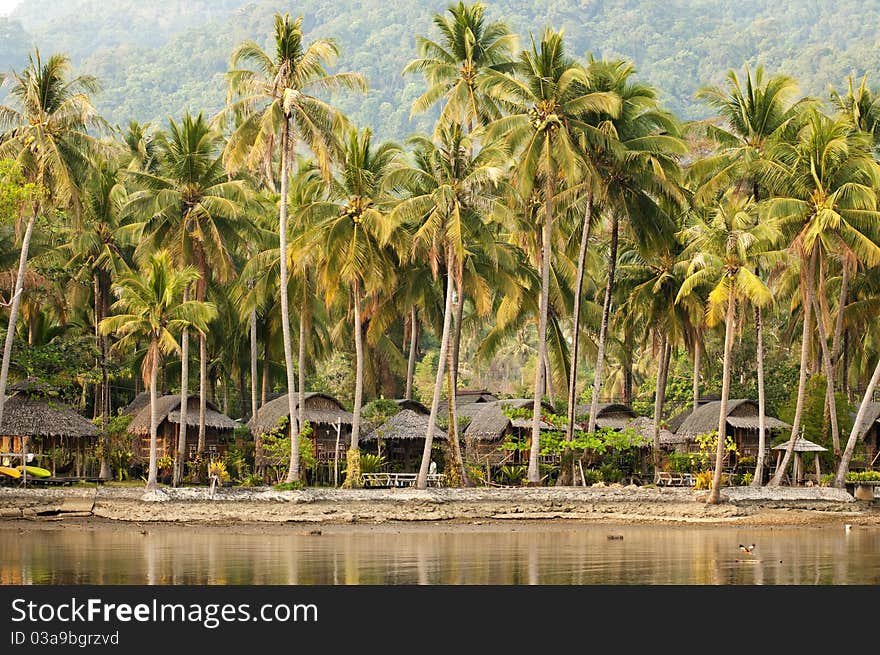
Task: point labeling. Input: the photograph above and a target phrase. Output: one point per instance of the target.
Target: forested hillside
(155, 59)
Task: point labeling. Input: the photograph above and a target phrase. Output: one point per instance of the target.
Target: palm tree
(455, 68)
(547, 94)
(190, 206)
(46, 131)
(641, 182)
(825, 203)
(271, 98)
(95, 249)
(451, 195)
(151, 308)
(720, 250)
(351, 230)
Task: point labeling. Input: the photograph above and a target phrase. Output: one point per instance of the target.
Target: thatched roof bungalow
(742, 425)
(218, 427)
(35, 420)
(323, 412)
(414, 405)
(401, 438)
(465, 399)
(136, 405)
(490, 425)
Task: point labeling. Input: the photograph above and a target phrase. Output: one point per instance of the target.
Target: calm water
(437, 554)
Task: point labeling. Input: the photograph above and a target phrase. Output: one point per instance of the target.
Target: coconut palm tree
(95, 249)
(350, 230)
(720, 249)
(190, 206)
(48, 131)
(150, 307)
(547, 94)
(824, 182)
(451, 193)
(456, 66)
(273, 98)
(641, 180)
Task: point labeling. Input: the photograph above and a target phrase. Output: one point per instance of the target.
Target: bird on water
(747, 549)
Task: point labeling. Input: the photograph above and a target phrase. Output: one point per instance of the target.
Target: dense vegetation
(549, 224)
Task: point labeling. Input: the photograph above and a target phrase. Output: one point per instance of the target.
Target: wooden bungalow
(801, 446)
(218, 427)
(869, 435)
(742, 425)
(34, 422)
(467, 401)
(330, 421)
(489, 427)
(401, 439)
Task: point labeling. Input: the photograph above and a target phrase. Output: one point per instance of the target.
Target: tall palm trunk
(534, 474)
(301, 366)
(152, 475)
(846, 456)
(715, 493)
(105, 473)
(252, 329)
(293, 469)
(203, 389)
(802, 378)
(838, 324)
(829, 377)
(184, 404)
(660, 393)
(762, 427)
(453, 436)
(13, 310)
(697, 353)
(566, 471)
(603, 330)
(413, 346)
(353, 476)
(422, 479)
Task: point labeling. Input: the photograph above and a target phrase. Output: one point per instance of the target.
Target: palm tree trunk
(603, 330)
(697, 353)
(184, 405)
(413, 346)
(453, 436)
(534, 474)
(762, 428)
(807, 284)
(264, 385)
(422, 479)
(105, 473)
(203, 389)
(660, 393)
(152, 476)
(353, 475)
(566, 471)
(301, 366)
(715, 493)
(838, 324)
(829, 376)
(252, 324)
(293, 469)
(13, 310)
(846, 456)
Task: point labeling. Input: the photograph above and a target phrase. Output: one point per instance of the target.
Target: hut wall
(166, 441)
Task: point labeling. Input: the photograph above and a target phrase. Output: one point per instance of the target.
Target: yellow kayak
(36, 471)
(11, 472)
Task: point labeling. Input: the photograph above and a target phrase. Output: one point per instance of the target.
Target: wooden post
(24, 461)
(818, 471)
(336, 453)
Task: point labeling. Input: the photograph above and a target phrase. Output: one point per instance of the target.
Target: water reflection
(519, 555)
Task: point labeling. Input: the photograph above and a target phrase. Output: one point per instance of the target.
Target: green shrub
(863, 476)
(296, 485)
(592, 476)
(372, 463)
(611, 473)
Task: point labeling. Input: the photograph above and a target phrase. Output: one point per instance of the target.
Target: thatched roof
(406, 424)
(491, 423)
(872, 415)
(414, 405)
(137, 404)
(608, 415)
(33, 416)
(741, 413)
(168, 408)
(466, 397)
(802, 445)
(644, 427)
(319, 408)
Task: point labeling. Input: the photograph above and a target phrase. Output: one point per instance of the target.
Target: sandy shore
(344, 507)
